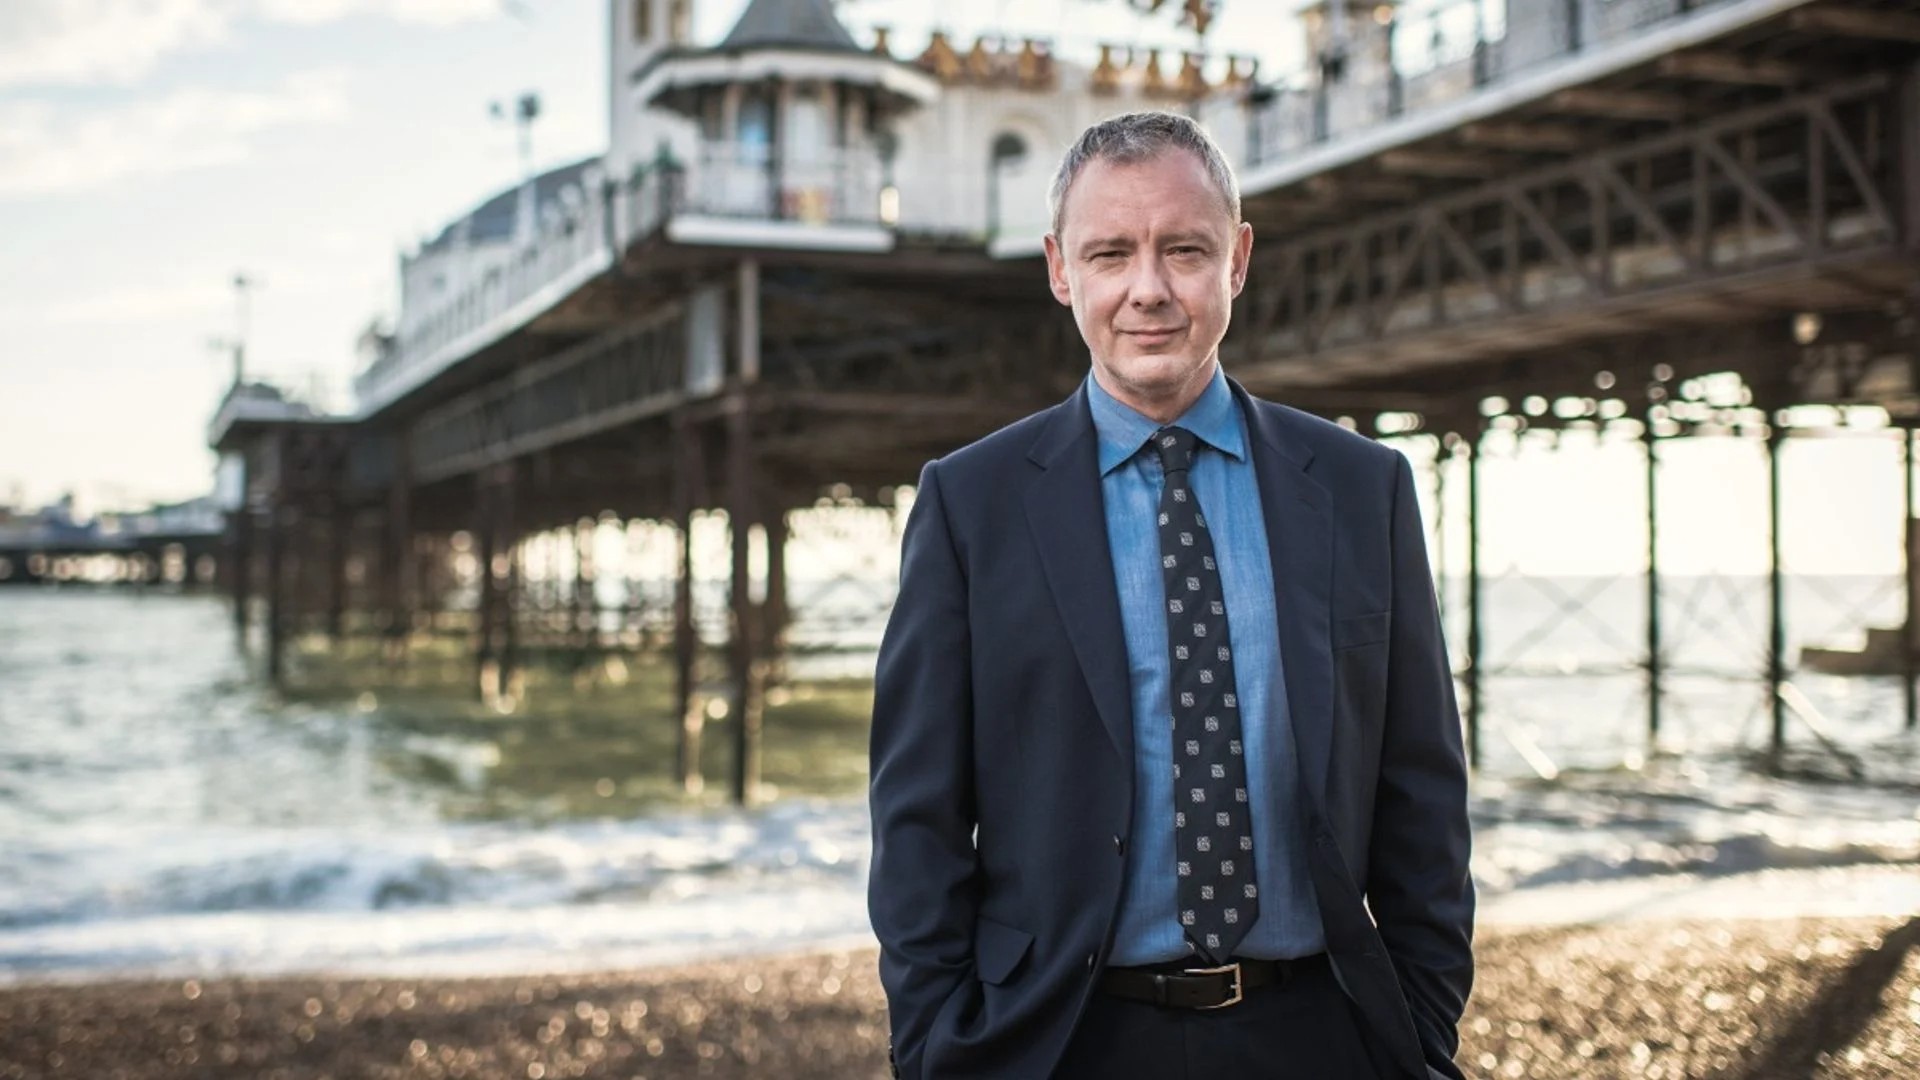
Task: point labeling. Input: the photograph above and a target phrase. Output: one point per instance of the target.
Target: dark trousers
(1303, 1030)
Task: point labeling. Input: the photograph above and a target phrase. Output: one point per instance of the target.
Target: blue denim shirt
(1130, 480)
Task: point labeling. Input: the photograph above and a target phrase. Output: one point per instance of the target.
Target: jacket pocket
(1361, 629)
(998, 950)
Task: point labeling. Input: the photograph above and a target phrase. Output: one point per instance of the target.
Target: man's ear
(1242, 253)
(1057, 271)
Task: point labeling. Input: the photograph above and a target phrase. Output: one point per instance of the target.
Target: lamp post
(525, 111)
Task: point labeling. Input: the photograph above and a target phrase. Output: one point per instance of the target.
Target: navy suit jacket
(1002, 747)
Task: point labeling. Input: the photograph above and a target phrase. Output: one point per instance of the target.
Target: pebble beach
(1727, 1000)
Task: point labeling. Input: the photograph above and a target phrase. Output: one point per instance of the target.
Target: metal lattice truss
(636, 371)
(1783, 207)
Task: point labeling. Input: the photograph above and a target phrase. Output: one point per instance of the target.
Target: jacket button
(1093, 960)
(1119, 844)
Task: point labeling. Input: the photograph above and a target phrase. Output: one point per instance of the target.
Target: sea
(164, 813)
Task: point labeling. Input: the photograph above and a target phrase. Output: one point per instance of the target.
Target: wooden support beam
(1451, 165)
(1732, 68)
(1527, 138)
(866, 403)
(1619, 104)
(1858, 23)
(1341, 187)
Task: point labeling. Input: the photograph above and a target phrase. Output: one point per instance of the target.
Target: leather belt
(1177, 987)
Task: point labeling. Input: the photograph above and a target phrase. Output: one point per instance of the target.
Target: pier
(1477, 225)
(178, 545)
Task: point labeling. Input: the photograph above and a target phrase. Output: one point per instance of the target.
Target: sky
(152, 149)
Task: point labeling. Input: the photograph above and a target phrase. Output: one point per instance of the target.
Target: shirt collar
(1123, 431)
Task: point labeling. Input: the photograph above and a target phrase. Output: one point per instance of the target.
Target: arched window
(1006, 153)
(1008, 149)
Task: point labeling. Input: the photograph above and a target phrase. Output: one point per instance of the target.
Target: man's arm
(922, 895)
(1418, 885)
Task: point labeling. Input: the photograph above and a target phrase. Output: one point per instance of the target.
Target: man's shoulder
(991, 458)
(1325, 440)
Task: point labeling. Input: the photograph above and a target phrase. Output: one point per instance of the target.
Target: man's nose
(1149, 288)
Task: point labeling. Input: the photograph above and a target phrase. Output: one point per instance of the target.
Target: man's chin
(1162, 370)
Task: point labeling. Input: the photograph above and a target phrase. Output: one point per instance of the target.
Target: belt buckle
(1230, 969)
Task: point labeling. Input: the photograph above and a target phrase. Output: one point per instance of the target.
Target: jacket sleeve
(922, 889)
(1419, 888)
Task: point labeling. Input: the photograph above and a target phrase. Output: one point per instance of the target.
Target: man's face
(1150, 260)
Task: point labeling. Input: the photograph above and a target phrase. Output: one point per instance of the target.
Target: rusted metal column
(431, 552)
(1776, 596)
(1907, 116)
(1908, 673)
(1655, 659)
(1906, 129)
(586, 602)
(507, 613)
(339, 545)
(486, 666)
(748, 670)
(240, 571)
(775, 613)
(276, 529)
(687, 467)
(399, 550)
(1475, 647)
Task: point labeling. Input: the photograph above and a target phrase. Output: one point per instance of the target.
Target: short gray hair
(1137, 137)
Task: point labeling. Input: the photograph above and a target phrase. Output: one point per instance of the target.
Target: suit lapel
(1300, 543)
(1068, 517)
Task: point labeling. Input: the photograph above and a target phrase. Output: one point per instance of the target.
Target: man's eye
(1105, 255)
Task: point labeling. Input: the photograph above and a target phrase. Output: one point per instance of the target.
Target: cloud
(46, 148)
(428, 12)
(86, 41)
(117, 42)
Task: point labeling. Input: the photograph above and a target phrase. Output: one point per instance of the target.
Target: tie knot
(1175, 446)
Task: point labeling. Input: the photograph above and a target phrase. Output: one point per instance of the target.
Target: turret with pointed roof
(790, 24)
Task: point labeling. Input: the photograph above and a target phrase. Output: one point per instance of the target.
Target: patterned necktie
(1213, 834)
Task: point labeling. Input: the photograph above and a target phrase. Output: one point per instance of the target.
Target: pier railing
(626, 374)
(827, 188)
(1443, 51)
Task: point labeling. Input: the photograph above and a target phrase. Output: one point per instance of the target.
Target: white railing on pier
(1443, 51)
(826, 188)
(566, 253)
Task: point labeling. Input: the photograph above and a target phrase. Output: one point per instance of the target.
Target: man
(1167, 770)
